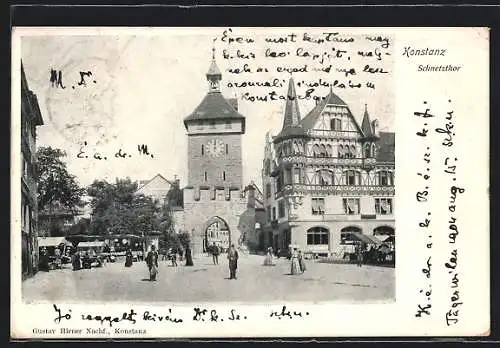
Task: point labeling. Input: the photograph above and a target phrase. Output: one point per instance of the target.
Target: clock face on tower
(215, 148)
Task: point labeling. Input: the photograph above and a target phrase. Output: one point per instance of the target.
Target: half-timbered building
(327, 179)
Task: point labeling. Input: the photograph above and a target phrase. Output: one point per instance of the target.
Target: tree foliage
(117, 209)
(55, 183)
(175, 196)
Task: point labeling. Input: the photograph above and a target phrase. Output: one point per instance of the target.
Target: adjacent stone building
(31, 117)
(327, 179)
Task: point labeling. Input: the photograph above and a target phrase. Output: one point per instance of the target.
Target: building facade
(157, 187)
(327, 179)
(217, 207)
(31, 117)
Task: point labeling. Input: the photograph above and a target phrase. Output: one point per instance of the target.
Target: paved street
(207, 282)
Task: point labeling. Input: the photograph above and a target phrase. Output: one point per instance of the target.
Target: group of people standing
(152, 261)
(298, 265)
(232, 256)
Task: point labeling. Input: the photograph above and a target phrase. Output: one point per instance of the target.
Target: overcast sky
(146, 84)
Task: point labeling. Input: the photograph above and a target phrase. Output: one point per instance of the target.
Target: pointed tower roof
(366, 125)
(214, 106)
(213, 71)
(292, 113)
(291, 119)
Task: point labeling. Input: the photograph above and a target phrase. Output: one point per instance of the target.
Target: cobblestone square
(208, 282)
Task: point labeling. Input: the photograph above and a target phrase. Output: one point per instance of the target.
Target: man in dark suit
(232, 256)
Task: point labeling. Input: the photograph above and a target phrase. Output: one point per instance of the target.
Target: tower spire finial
(214, 75)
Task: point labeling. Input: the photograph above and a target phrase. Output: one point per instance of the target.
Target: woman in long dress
(128, 258)
(189, 258)
(295, 262)
(268, 261)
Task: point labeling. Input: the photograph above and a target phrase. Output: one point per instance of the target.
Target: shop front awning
(365, 238)
(52, 241)
(90, 245)
(384, 238)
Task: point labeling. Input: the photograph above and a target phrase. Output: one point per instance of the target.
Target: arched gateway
(217, 233)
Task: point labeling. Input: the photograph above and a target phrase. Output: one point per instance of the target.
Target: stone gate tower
(217, 208)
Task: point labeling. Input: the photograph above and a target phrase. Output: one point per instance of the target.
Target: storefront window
(317, 236)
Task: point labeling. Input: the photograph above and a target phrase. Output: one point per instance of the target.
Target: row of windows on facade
(321, 236)
(327, 150)
(213, 125)
(327, 178)
(223, 176)
(351, 206)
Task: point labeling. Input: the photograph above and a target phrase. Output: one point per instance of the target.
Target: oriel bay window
(296, 176)
(324, 177)
(318, 206)
(351, 177)
(383, 206)
(385, 178)
(317, 236)
(279, 183)
(351, 206)
(287, 174)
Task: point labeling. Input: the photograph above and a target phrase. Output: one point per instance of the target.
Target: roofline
(170, 182)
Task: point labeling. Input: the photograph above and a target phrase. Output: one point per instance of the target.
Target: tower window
(205, 176)
(224, 176)
(202, 149)
(227, 149)
(229, 125)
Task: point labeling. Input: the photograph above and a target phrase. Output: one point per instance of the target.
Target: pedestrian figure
(189, 258)
(268, 261)
(232, 256)
(86, 263)
(128, 258)
(164, 255)
(359, 254)
(57, 257)
(44, 260)
(295, 266)
(76, 262)
(302, 263)
(152, 262)
(215, 254)
(173, 257)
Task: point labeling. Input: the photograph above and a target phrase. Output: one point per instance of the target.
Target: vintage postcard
(249, 182)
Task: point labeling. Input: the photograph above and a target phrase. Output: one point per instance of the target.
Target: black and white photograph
(186, 167)
(247, 175)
